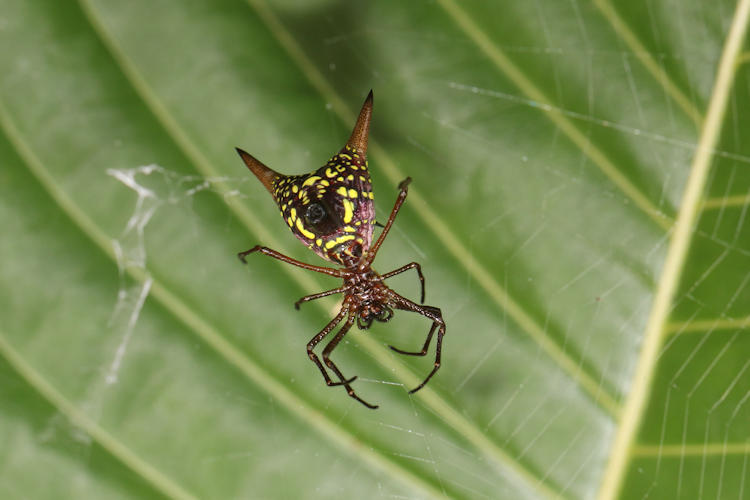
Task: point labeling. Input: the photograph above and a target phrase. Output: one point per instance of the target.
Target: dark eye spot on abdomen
(315, 214)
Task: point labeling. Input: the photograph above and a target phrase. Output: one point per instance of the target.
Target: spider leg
(330, 364)
(403, 186)
(411, 265)
(425, 347)
(280, 256)
(308, 298)
(436, 316)
(316, 340)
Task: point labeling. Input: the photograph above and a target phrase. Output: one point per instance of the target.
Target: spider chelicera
(332, 212)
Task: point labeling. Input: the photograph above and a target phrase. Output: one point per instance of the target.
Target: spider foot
(244, 254)
(353, 394)
(404, 183)
(424, 382)
(417, 388)
(331, 383)
(409, 353)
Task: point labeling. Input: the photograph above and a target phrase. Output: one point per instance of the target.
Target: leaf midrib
(657, 326)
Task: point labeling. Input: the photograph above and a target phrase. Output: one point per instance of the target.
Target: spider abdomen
(332, 208)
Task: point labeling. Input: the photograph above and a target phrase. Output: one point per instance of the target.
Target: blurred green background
(550, 144)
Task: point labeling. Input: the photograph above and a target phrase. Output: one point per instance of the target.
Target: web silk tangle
(332, 212)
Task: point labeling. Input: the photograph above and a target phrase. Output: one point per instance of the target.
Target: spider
(331, 210)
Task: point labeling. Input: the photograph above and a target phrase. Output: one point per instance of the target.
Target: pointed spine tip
(361, 130)
(265, 175)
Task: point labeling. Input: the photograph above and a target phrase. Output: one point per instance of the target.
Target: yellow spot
(344, 155)
(341, 190)
(362, 178)
(340, 179)
(350, 229)
(358, 223)
(293, 214)
(312, 180)
(348, 211)
(318, 242)
(324, 182)
(352, 193)
(341, 239)
(371, 195)
(289, 221)
(295, 189)
(283, 207)
(354, 167)
(330, 173)
(350, 177)
(304, 231)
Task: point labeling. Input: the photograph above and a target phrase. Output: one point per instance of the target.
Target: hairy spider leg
(429, 312)
(308, 298)
(280, 256)
(425, 347)
(411, 265)
(320, 336)
(330, 364)
(367, 261)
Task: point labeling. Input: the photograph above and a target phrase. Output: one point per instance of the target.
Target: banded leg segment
(403, 186)
(436, 316)
(308, 298)
(330, 364)
(316, 340)
(410, 265)
(283, 258)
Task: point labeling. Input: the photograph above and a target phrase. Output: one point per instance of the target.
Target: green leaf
(579, 208)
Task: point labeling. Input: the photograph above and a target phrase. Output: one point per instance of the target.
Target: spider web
(549, 166)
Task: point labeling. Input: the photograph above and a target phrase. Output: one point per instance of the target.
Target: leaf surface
(579, 207)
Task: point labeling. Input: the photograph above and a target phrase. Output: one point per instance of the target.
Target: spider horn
(264, 174)
(361, 130)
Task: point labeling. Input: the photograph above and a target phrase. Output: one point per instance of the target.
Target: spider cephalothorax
(332, 212)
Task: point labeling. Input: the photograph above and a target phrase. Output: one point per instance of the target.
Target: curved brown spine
(265, 175)
(358, 139)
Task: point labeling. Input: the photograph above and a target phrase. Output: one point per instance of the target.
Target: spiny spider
(332, 212)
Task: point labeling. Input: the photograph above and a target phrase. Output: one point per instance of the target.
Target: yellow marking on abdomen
(341, 239)
(304, 231)
(312, 180)
(348, 211)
